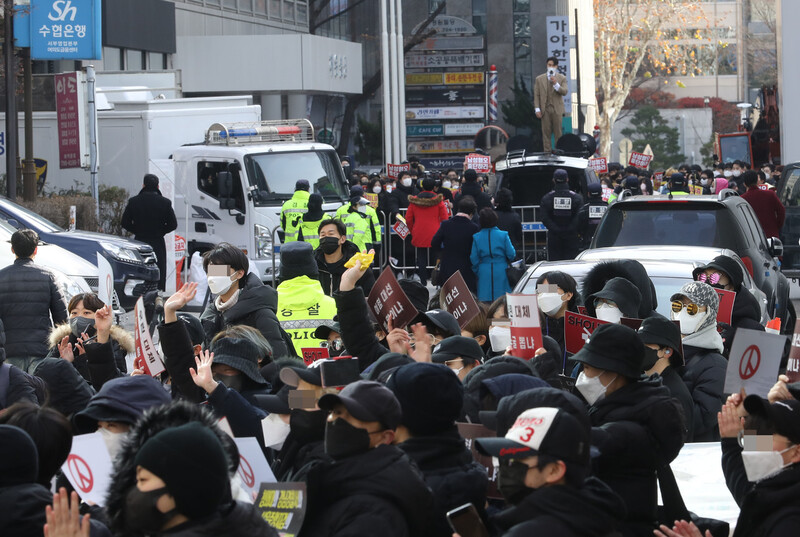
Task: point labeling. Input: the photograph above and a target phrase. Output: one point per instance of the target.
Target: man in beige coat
(548, 100)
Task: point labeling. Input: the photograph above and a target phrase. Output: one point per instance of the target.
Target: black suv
(723, 221)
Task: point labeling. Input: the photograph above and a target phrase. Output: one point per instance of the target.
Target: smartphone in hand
(466, 521)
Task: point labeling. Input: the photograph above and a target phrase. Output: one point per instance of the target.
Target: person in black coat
(453, 242)
(591, 214)
(725, 273)
(631, 270)
(471, 187)
(508, 219)
(559, 214)
(18, 388)
(333, 252)
(149, 216)
(545, 469)
(636, 423)
(431, 439)
(662, 339)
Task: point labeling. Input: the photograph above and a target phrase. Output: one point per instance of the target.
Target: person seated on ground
(617, 299)
(460, 354)
(555, 301)
(67, 391)
(631, 270)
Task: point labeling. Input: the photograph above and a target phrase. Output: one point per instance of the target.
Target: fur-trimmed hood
(631, 270)
(123, 338)
(152, 422)
(426, 199)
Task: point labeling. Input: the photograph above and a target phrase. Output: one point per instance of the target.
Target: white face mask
(704, 182)
(113, 441)
(377, 189)
(389, 188)
(643, 188)
(219, 285)
(447, 184)
(500, 338)
(362, 208)
(406, 182)
(760, 465)
(737, 173)
(727, 173)
(592, 388)
(275, 431)
(689, 323)
(549, 303)
(608, 313)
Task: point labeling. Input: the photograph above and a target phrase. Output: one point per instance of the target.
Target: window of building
(479, 15)
(112, 59)
(134, 60)
(523, 69)
(156, 61)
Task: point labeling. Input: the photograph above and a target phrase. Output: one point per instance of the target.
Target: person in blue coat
(491, 252)
(453, 242)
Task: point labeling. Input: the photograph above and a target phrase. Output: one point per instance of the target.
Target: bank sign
(60, 29)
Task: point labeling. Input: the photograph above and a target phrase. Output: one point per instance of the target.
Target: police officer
(560, 210)
(590, 214)
(293, 210)
(361, 220)
(677, 185)
(308, 227)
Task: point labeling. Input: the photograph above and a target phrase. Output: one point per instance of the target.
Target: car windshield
(668, 223)
(39, 222)
(275, 175)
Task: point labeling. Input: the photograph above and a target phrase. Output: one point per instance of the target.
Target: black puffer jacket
(631, 270)
(674, 383)
(236, 519)
(482, 199)
(378, 491)
(303, 447)
(68, 391)
(357, 335)
(746, 314)
(257, 307)
(591, 511)
(154, 421)
(29, 295)
(330, 274)
(500, 365)
(704, 375)
(636, 428)
(450, 472)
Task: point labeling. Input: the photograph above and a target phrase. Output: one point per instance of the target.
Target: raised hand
(103, 319)
(203, 377)
(64, 518)
(178, 300)
(65, 349)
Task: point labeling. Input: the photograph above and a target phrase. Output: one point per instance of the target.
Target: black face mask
(141, 512)
(234, 382)
(307, 425)
(328, 245)
(79, 325)
(511, 482)
(650, 358)
(343, 440)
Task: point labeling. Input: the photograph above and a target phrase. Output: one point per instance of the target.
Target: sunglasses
(691, 309)
(711, 279)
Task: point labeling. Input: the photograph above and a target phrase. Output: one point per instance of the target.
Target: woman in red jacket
(425, 212)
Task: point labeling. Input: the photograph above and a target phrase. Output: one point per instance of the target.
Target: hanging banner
(558, 46)
(147, 356)
(71, 114)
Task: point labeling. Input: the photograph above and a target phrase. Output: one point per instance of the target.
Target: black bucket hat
(613, 347)
(240, 354)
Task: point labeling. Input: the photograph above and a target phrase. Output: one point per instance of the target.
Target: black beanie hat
(430, 396)
(19, 459)
(297, 259)
(416, 293)
(191, 461)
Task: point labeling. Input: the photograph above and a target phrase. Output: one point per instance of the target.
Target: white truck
(231, 186)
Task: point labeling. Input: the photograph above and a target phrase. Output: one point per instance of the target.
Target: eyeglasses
(599, 301)
(691, 309)
(711, 279)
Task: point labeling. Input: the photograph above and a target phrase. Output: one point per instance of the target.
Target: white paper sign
(754, 362)
(147, 355)
(105, 281)
(88, 468)
(253, 467)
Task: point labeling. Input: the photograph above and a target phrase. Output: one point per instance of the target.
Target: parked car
(133, 262)
(724, 221)
(789, 193)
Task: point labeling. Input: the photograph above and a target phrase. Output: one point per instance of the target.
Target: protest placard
(253, 468)
(726, 300)
(577, 329)
(753, 362)
(657, 179)
(88, 468)
(401, 228)
(312, 354)
(469, 432)
(640, 160)
(479, 163)
(793, 365)
(633, 324)
(458, 300)
(283, 506)
(526, 332)
(606, 192)
(372, 198)
(105, 281)
(599, 164)
(147, 355)
(387, 301)
(393, 170)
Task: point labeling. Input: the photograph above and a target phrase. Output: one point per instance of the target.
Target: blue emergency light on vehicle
(290, 130)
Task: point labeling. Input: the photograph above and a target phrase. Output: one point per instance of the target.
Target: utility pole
(28, 164)
(12, 131)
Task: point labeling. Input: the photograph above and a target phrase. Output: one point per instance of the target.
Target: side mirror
(775, 247)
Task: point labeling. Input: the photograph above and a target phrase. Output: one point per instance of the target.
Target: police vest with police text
(292, 212)
(302, 308)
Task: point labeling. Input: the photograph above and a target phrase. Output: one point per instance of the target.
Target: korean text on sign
(526, 334)
(558, 46)
(479, 163)
(640, 160)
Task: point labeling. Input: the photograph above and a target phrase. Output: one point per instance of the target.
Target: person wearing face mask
(630, 269)
(240, 297)
(426, 212)
(330, 333)
(617, 299)
(707, 182)
(590, 214)
(768, 208)
(663, 357)
(308, 228)
(636, 423)
(361, 220)
(545, 469)
(432, 441)
(725, 273)
(507, 218)
(461, 354)
(370, 483)
(333, 252)
(695, 307)
(293, 210)
(559, 214)
(471, 187)
(452, 243)
(554, 301)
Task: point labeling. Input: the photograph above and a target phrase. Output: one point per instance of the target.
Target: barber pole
(492, 94)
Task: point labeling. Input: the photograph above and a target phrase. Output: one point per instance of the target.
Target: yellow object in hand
(365, 258)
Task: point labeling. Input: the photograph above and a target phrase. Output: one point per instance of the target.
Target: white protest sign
(146, 354)
(479, 163)
(88, 468)
(105, 280)
(754, 361)
(526, 334)
(253, 467)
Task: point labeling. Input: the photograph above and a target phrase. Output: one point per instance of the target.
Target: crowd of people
(581, 443)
